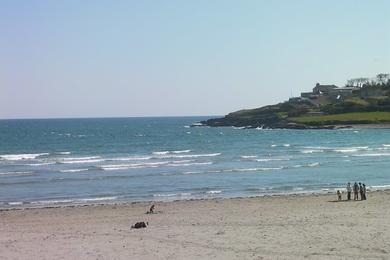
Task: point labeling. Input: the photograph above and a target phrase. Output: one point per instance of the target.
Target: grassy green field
(348, 118)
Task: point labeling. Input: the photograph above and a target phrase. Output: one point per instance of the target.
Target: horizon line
(103, 117)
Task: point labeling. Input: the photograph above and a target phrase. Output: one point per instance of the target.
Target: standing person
(364, 191)
(349, 190)
(355, 191)
(361, 191)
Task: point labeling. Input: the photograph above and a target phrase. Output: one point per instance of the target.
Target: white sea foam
(183, 194)
(160, 153)
(286, 145)
(82, 200)
(97, 199)
(64, 153)
(214, 192)
(372, 154)
(181, 151)
(351, 149)
(315, 164)
(118, 168)
(51, 202)
(81, 158)
(74, 170)
(312, 151)
(130, 158)
(165, 195)
(21, 173)
(192, 172)
(248, 156)
(273, 145)
(318, 147)
(82, 161)
(386, 145)
(110, 167)
(197, 124)
(379, 187)
(271, 159)
(189, 155)
(189, 164)
(39, 164)
(15, 203)
(171, 152)
(24, 156)
(252, 169)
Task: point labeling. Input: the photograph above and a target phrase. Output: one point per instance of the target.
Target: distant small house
(371, 91)
(295, 99)
(323, 89)
(308, 95)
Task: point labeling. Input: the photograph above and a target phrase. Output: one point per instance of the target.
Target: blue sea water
(71, 161)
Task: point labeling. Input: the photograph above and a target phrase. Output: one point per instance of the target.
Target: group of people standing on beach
(357, 189)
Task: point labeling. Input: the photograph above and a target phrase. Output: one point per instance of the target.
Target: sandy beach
(286, 227)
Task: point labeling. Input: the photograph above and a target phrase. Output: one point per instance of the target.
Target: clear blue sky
(175, 58)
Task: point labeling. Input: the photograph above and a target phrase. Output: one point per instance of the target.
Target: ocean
(46, 162)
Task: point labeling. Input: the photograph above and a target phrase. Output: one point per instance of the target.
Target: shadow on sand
(343, 201)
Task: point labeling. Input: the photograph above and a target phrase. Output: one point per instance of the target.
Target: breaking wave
(21, 173)
(271, 159)
(189, 155)
(248, 156)
(24, 156)
(372, 154)
(171, 152)
(80, 160)
(74, 170)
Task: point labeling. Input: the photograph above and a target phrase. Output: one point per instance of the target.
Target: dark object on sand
(151, 210)
(140, 225)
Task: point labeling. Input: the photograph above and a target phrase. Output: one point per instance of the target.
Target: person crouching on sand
(349, 190)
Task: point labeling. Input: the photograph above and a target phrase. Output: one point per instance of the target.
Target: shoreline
(364, 126)
(148, 202)
(294, 126)
(277, 227)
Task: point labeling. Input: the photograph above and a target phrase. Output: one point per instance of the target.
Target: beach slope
(287, 227)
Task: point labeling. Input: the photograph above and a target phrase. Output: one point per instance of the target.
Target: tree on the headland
(382, 78)
(357, 82)
(351, 82)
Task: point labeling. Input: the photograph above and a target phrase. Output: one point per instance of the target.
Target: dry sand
(289, 227)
